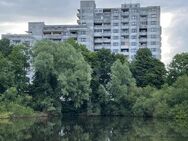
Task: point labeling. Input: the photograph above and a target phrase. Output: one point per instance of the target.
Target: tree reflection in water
(94, 129)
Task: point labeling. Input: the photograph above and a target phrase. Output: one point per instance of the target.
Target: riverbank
(9, 115)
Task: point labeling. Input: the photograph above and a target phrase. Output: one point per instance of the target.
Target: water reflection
(94, 129)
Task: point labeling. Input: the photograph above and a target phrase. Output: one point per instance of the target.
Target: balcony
(107, 20)
(96, 34)
(98, 21)
(143, 46)
(97, 47)
(124, 53)
(125, 13)
(124, 26)
(73, 35)
(143, 19)
(106, 26)
(106, 33)
(143, 26)
(143, 39)
(106, 46)
(125, 20)
(143, 33)
(124, 33)
(98, 27)
(99, 40)
(53, 36)
(106, 40)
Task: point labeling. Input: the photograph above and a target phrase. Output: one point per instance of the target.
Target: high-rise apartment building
(122, 30)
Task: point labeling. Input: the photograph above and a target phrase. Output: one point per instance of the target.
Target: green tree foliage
(68, 75)
(6, 74)
(121, 80)
(173, 100)
(178, 67)
(148, 70)
(20, 64)
(13, 80)
(143, 105)
(120, 89)
(14, 64)
(5, 47)
(15, 104)
(61, 72)
(169, 102)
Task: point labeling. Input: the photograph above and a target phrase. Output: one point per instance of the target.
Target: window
(133, 50)
(133, 23)
(144, 23)
(115, 31)
(122, 43)
(115, 11)
(153, 22)
(115, 24)
(134, 17)
(133, 43)
(153, 36)
(17, 41)
(153, 15)
(153, 43)
(154, 9)
(115, 17)
(115, 50)
(83, 32)
(115, 37)
(133, 37)
(83, 39)
(134, 10)
(153, 29)
(153, 49)
(134, 30)
(115, 43)
(98, 30)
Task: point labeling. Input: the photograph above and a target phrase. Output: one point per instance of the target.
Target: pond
(93, 129)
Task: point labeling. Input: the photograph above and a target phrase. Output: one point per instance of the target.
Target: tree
(121, 80)
(119, 89)
(61, 72)
(20, 60)
(5, 47)
(14, 65)
(148, 70)
(6, 74)
(178, 67)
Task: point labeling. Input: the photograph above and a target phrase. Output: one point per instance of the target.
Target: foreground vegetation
(68, 78)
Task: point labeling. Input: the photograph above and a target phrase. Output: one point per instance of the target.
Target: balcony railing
(143, 33)
(143, 39)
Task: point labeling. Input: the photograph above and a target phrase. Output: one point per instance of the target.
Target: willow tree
(60, 73)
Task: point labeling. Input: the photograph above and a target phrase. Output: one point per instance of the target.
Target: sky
(15, 15)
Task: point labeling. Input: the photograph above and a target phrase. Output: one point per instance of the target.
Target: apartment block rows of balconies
(122, 30)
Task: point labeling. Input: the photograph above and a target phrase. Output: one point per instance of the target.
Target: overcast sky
(14, 15)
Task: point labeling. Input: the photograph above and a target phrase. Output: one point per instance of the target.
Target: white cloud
(166, 20)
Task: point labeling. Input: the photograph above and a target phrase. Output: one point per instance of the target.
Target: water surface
(93, 129)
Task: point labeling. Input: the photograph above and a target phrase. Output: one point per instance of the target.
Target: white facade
(122, 30)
